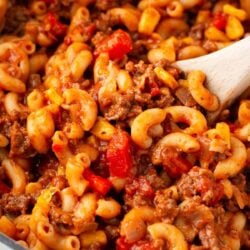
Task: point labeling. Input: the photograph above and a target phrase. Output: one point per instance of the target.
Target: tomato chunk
(220, 21)
(174, 164)
(57, 148)
(116, 45)
(56, 27)
(119, 155)
(122, 244)
(97, 183)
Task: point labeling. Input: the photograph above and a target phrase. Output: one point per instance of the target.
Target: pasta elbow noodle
(194, 118)
(87, 110)
(142, 123)
(177, 140)
(108, 209)
(191, 51)
(127, 16)
(148, 21)
(47, 234)
(17, 176)
(74, 172)
(133, 225)
(201, 95)
(7, 226)
(244, 112)
(40, 128)
(171, 26)
(80, 64)
(170, 233)
(234, 163)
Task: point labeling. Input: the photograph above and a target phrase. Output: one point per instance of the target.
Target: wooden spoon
(227, 71)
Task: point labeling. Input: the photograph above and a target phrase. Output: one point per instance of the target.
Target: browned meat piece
(208, 237)
(17, 204)
(210, 46)
(57, 216)
(119, 108)
(138, 193)
(20, 142)
(197, 31)
(16, 17)
(105, 4)
(185, 97)
(59, 182)
(166, 207)
(199, 181)
(47, 177)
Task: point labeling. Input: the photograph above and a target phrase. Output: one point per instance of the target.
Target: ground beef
(166, 206)
(47, 177)
(16, 204)
(210, 46)
(185, 97)
(20, 142)
(59, 182)
(208, 237)
(201, 182)
(120, 107)
(138, 193)
(59, 217)
(240, 182)
(16, 17)
(112, 232)
(197, 31)
(105, 4)
(5, 124)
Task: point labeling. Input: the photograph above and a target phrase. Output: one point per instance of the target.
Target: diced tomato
(174, 164)
(207, 184)
(56, 27)
(233, 127)
(116, 45)
(154, 89)
(97, 183)
(220, 21)
(119, 156)
(122, 244)
(218, 193)
(57, 148)
(143, 245)
(4, 188)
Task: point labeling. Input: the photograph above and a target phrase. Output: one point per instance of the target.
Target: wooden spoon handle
(227, 70)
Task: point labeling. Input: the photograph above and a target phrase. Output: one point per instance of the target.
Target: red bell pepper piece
(56, 27)
(4, 188)
(119, 156)
(220, 21)
(116, 45)
(97, 183)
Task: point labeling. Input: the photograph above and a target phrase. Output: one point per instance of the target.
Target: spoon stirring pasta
(227, 71)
